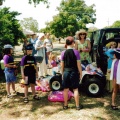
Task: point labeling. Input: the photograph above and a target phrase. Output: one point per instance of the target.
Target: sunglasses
(82, 34)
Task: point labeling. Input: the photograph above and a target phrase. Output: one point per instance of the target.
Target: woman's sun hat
(80, 31)
(8, 46)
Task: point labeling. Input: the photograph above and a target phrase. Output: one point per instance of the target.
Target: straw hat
(80, 31)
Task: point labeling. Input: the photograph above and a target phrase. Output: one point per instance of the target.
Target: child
(9, 69)
(29, 72)
(115, 76)
(112, 46)
(71, 73)
(53, 63)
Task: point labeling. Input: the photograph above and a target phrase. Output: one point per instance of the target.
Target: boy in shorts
(29, 72)
(71, 72)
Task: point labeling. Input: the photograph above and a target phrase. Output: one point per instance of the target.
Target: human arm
(62, 68)
(88, 49)
(78, 62)
(36, 71)
(76, 45)
(6, 63)
(62, 63)
(22, 72)
(38, 45)
(79, 68)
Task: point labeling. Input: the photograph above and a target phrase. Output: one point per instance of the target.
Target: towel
(118, 72)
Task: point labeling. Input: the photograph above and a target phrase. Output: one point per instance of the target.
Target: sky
(107, 11)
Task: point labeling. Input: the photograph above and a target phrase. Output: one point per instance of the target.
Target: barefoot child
(115, 76)
(9, 69)
(29, 72)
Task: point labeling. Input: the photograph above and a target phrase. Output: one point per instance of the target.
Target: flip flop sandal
(79, 107)
(26, 100)
(65, 107)
(114, 107)
(36, 97)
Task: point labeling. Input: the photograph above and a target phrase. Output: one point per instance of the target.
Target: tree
(10, 31)
(38, 2)
(32, 1)
(73, 15)
(29, 24)
(116, 24)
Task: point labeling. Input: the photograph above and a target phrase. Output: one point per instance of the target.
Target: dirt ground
(16, 109)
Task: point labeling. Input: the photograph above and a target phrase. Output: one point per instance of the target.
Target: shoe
(9, 96)
(114, 107)
(26, 100)
(35, 97)
(42, 77)
(47, 75)
(79, 107)
(65, 107)
(15, 93)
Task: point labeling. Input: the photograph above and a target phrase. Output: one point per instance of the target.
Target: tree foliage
(10, 30)
(73, 15)
(38, 2)
(29, 24)
(116, 24)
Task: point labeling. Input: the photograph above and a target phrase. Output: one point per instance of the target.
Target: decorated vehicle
(93, 80)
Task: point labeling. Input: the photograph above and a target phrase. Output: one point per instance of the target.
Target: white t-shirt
(48, 43)
(41, 51)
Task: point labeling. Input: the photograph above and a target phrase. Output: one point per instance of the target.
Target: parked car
(99, 39)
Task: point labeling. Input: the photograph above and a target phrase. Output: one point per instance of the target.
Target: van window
(96, 37)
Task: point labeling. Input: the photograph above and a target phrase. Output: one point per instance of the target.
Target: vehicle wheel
(94, 87)
(55, 83)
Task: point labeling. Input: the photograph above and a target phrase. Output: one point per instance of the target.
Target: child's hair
(52, 56)
(6, 51)
(113, 43)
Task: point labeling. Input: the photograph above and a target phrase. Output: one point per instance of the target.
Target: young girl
(9, 69)
(29, 72)
(112, 46)
(53, 63)
(115, 76)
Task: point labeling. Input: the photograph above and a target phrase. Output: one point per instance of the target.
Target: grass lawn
(16, 109)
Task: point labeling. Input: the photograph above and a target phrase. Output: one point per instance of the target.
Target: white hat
(40, 35)
(8, 46)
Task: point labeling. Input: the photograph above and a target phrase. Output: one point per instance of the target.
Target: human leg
(44, 67)
(32, 88)
(76, 96)
(114, 93)
(26, 91)
(40, 72)
(13, 86)
(8, 88)
(65, 94)
(33, 92)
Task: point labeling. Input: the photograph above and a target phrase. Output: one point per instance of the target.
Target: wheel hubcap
(93, 88)
(56, 85)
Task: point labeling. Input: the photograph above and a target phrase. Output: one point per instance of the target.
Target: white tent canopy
(28, 32)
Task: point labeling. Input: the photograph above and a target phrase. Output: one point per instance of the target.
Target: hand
(62, 76)
(23, 77)
(14, 66)
(81, 50)
(80, 77)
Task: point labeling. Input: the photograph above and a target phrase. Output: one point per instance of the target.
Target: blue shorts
(70, 79)
(9, 75)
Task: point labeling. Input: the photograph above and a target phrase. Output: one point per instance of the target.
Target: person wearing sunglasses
(83, 45)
